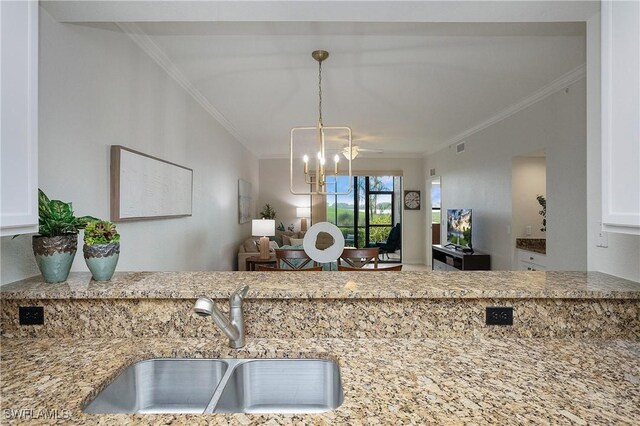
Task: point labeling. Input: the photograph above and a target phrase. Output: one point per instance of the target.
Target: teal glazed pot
(102, 260)
(54, 255)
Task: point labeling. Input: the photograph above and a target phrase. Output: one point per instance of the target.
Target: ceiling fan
(355, 150)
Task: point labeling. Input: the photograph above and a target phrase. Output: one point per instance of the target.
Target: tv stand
(459, 248)
(448, 259)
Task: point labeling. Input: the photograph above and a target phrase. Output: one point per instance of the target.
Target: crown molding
(156, 53)
(562, 82)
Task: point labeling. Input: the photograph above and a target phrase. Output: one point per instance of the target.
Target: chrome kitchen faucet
(233, 327)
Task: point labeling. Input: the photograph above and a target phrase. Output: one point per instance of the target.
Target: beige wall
(480, 178)
(274, 189)
(97, 88)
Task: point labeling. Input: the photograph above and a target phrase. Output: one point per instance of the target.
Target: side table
(252, 261)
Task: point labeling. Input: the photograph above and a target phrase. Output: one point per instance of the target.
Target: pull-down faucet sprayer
(233, 327)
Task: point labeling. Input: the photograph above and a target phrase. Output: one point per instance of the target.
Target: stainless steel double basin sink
(223, 386)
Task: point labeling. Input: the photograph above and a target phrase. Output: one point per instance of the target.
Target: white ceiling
(407, 88)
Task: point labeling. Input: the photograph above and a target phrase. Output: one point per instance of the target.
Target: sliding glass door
(366, 216)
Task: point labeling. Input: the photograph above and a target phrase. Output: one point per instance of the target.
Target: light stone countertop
(385, 381)
(331, 285)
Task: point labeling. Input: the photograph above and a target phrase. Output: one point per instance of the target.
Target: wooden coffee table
(252, 261)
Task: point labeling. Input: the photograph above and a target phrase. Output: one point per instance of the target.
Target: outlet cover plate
(31, 315)
(499, 315)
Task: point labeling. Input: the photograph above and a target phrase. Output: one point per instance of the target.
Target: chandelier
(315, 170)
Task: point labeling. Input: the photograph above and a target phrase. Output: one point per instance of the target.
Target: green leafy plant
(100, 232)
(267, 212)
(543, 202)
(56, 217)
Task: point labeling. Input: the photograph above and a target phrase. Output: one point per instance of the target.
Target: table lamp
(263, 228)
(303, 213)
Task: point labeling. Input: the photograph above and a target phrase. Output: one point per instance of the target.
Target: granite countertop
(536, 245)
(331, 285)
(385, 381)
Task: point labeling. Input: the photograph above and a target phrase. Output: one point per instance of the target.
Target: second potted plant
(101, 249)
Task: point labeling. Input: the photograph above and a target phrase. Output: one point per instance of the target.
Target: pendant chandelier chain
(320, 93)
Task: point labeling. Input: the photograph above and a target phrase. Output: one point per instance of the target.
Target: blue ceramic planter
(102, 260)
(54, 256)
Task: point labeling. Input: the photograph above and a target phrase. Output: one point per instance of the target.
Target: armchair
(393, 241)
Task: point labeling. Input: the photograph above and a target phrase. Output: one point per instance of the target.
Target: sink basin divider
(231, 366)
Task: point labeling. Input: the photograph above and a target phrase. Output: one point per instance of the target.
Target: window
(366, 216)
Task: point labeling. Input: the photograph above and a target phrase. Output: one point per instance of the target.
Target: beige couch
(249, 247)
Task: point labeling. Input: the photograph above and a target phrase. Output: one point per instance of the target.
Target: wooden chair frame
(360, 257)
(285, 256)
(263, 268)
(386, 268)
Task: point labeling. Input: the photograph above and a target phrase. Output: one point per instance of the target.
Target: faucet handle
(238, 295)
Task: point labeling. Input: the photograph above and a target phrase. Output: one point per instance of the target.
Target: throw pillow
(286, 240)
(278, 237)
(250, 245)
(296, 241)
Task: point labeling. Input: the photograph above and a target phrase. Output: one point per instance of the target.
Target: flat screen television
(459, 227)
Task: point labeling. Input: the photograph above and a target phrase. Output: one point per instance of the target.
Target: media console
(449, 259)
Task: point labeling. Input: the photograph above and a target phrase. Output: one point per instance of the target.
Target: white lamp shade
(303, 212)
(263, 227)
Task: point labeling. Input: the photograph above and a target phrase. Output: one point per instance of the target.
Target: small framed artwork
(412, 199)
(244, 201)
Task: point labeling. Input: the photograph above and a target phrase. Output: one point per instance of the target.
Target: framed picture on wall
(244, 201)
(146, 187)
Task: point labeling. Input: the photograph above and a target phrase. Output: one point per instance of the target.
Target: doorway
(528, 202)
(436, 210)
(433, 216)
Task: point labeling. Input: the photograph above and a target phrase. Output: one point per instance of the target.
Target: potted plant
(57, 242)
(267, 212)
(543, 203)
(101, 249)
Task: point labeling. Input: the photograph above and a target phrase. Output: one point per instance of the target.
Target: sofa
(249, 247)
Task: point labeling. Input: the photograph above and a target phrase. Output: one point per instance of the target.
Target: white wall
(97, 89)
(480, 178)
(274, 189)
(621, 255)
(528, 180)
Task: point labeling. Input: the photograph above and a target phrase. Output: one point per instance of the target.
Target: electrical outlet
(499, 315)
(31, 315)
(602, 237)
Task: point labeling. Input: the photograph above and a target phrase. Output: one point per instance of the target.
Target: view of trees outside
(435, 202)
(341, 209)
